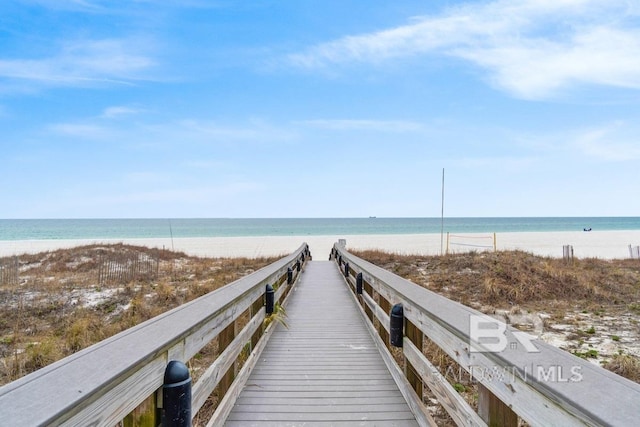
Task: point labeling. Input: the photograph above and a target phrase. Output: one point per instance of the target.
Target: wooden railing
(517, 376)
(119, 380)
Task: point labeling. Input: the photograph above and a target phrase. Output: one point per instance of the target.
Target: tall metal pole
(442, 218)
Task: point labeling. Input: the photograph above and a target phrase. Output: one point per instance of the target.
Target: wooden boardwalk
(325, 370)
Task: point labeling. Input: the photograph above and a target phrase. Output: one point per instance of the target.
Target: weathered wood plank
(353, 423)
(493, 411)
(210, 379)
(325, 367)
(321, 416)
(112, 407)
(545, 387)
(100, 385)
(323, 401)
(224, 340)
(447, 396)
(337, 394)
(415, 336)
(319, 409)
(228, 401)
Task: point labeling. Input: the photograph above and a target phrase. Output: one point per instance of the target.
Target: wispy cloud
(608, 142)
(253, 131)
(84, 63)
(119, 111)
(530, 48)
(510, 164)
(364, 125)
(109, 6)
(614, 142)
(80, 130)
(70, 5)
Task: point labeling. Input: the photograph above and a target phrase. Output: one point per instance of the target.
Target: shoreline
(593, 244)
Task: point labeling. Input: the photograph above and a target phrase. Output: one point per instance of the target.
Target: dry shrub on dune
(65, 302)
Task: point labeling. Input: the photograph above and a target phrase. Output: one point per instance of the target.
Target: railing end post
(269, 299)
(176, 395)
(396, 320)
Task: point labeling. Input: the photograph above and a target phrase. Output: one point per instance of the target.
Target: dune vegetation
(66, 300)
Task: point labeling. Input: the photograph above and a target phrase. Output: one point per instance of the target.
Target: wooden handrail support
(101, 385)
(544, 387)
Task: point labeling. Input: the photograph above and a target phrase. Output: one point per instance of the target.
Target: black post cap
(396, 320)
(269, 297)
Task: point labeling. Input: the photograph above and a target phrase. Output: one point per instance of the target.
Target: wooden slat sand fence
(124, 267)
(120, 380)
(567, 253)
(634, 252)
(519, 377)
(9, 271)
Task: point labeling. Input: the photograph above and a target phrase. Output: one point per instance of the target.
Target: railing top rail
(598, 397)
(64, 388)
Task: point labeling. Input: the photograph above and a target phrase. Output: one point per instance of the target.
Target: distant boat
(372, 217)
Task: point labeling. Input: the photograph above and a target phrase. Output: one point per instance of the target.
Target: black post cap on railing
(346, 269)
(339, 260)
(176, 395)
(298, 266)
(289, 276)
(396, 320)
(302, 257)
(359, 284)
(269, 297)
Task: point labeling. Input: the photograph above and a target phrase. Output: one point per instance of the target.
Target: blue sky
(301, 108)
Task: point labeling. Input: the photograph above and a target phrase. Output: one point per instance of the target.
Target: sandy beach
(600, 244)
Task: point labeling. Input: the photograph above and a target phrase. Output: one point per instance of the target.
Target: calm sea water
(42, 229)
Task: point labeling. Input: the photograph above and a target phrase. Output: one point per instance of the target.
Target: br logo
(489, 335)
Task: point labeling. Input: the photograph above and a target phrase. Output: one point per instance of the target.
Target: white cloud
(365, 125)
(80, 130)
(84, 63)
(119, 111)
(73, 5)
(530, 48)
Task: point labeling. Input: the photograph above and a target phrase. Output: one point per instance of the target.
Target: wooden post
(386, 307)
(567, 253)
(447, 252)
(255, 308)
(416, 336)
(145, 415)
(494, 411)
(369, 290)
(224, 339)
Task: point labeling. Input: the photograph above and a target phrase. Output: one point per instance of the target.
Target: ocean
(46, 229)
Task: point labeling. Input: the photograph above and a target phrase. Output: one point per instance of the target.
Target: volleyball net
(470, 242)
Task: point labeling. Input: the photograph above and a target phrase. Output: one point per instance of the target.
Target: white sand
(601, 244)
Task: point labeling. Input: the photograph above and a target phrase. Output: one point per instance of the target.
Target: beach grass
(60, 304)
(588, 307)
